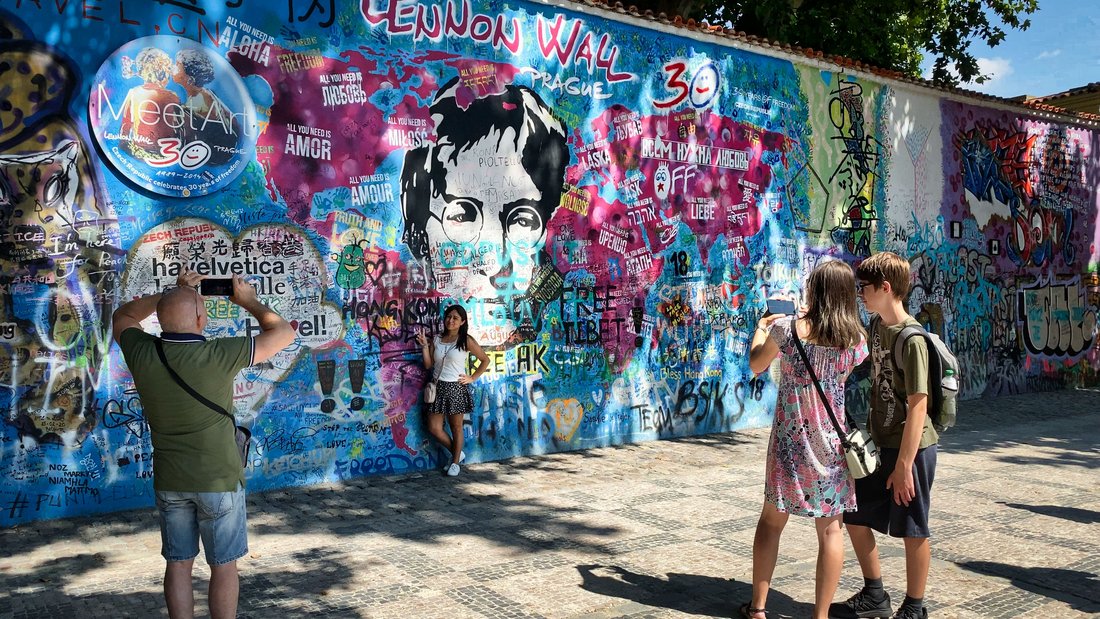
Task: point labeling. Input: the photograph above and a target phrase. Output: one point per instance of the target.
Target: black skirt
(451, 399)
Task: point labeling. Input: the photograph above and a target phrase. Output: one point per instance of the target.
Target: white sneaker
(453, 470)
(461, 457)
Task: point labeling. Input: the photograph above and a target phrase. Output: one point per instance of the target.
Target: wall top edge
(719, 35)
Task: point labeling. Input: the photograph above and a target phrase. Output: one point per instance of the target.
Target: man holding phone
(212, 287)
(197, 472)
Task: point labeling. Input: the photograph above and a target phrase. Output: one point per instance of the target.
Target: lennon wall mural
(611, 203)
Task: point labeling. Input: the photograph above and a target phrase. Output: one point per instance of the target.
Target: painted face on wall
(477, 201)
(485, 229)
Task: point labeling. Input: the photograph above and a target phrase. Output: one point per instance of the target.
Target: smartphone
(214, 287)
(781, 306)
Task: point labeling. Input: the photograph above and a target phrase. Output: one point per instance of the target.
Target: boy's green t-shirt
(194, 448)
(890, 388)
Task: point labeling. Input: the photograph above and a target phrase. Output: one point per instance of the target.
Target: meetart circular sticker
(173, 116)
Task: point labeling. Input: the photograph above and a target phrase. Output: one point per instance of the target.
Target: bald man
(197, 471)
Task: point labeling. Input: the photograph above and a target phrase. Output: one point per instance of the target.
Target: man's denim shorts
(218, 518)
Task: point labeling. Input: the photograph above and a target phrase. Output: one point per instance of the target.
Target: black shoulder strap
(195, 394)
(820, 390)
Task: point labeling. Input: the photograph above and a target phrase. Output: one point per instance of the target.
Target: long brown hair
(460, 342)
(831, 299)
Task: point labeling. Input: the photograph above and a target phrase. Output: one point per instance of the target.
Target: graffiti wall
(610, 202)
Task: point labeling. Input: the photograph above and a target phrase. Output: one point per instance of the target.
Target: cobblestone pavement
(660, 529)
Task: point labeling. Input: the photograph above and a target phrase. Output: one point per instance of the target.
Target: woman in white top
(447, 358)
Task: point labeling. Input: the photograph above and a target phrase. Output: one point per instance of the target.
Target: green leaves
(892, 34)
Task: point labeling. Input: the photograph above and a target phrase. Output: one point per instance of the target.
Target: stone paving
(655, 530)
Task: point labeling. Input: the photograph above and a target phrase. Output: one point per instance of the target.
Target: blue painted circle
(172, 116)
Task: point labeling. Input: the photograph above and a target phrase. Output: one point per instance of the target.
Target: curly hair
(196, 65)
(152, 65)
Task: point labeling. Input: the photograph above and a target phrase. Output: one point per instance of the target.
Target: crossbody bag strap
(195, 394)
(438, 368)
(820, 390)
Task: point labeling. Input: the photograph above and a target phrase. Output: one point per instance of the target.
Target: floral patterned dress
(806, 472)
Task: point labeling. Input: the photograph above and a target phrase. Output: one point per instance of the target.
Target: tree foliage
(892, 34)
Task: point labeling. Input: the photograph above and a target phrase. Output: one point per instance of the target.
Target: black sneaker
(911, 612)
(862, 605)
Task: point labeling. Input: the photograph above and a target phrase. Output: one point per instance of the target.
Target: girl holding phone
(806, 471)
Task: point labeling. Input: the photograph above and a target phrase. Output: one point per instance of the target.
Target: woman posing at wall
(806, 471)
(447, 359)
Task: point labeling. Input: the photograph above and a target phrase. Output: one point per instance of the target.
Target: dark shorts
(875, 506)
(451, 398)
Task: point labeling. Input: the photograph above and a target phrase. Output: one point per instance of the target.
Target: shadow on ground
(687, 593)
(429, 507)
(1053, 583)
(512, 505)
(1009, 422)
(425, 508)
(1074, 514)
(57, 571)
(318, 583)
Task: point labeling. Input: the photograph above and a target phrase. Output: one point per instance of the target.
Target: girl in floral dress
(806, 472)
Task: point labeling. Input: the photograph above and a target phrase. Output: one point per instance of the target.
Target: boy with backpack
(895, 499)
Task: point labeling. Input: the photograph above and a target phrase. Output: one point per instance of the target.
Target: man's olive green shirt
(194, 448)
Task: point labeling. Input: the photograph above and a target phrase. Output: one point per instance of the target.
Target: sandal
(747, 611)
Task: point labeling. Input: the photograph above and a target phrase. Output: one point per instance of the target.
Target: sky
(1060, 51)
